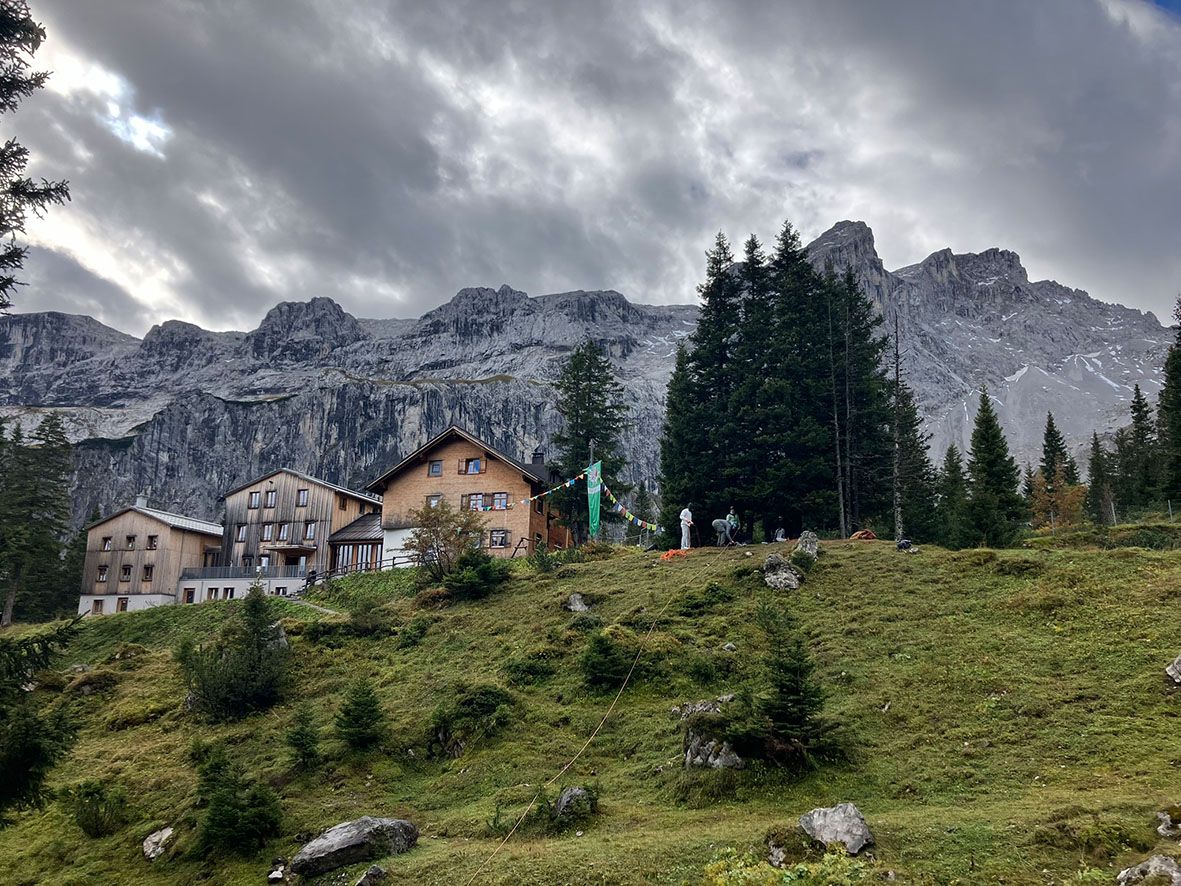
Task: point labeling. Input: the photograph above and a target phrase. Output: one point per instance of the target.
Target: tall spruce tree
(1055, 456)
(1142, 470)
(590, 401)
(952, 509)
(917, 479)
(1169, 417)
(679, 442)
(20, 38)
(996, 510)
(1099, 497)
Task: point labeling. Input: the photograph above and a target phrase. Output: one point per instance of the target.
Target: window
(102, 572)
(500, 501)
(434, 469)
(125, 573)
(498, 538)
(190, 595)
(268, 531)
(309, 531)
(264, 561)
(254, 500)
(270, 499)
(341, 502)
(241, 536)
(247, 562)
(153, 542)
(96, 607)
(471, 466)
(432, 501)
(106, 543)
(474, 501)
(211, 594)
(539, 504)
(228, 594)
(284, 531)
(131, 542)
(282, 592)
(301, 498)
(149, 569)
(121, 604)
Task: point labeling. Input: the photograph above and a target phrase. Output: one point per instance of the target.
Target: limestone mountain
(185, 413)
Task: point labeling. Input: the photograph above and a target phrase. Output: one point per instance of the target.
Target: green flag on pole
(594, 486)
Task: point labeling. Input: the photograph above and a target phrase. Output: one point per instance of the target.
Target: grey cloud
(389, 153)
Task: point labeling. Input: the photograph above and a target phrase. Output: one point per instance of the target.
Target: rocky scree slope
(185, 413)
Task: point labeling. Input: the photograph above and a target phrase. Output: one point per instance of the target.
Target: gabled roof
(352, 493)
(176, 521)
(367, 527)
(536, 473)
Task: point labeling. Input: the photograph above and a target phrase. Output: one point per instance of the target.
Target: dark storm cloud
(224, 156)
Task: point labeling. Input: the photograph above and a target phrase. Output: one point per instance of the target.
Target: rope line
(614, 701)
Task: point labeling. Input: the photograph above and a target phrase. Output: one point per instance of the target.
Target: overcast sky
(224, 155)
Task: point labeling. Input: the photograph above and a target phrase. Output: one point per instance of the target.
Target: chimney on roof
(141, 501)
(538, 456)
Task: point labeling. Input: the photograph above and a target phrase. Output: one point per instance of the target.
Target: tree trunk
(9, 604)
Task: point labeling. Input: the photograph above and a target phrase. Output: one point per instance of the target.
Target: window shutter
(461, 466)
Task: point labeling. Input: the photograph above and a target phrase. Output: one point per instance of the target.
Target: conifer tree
(591, 403)
(679, 444)
(1027, 483)
(995, 508)
(952, 508)
(795, 699)
(20, 37)
(1099, 498)
(1169, 416)
(303, 738)
(1143, 473)
(917, 479)
(360, 722)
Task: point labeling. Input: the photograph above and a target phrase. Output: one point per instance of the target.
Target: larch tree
(591, 404)
(20, 195)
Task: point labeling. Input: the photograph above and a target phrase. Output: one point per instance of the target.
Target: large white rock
(1164, 869)
(1173, 671)
(842, 823)
(353, 841)
(156, 842)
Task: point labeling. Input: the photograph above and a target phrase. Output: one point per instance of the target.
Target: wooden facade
(459, 468)
(135, 557)
(285, 518)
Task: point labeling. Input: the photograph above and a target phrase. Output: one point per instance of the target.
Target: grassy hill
(1005, 716)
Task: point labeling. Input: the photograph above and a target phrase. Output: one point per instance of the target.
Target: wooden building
(459, 468)
(134, 558)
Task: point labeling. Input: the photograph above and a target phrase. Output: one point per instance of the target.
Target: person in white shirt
(686, 522)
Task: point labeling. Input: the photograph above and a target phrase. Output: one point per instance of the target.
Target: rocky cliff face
(186, 413)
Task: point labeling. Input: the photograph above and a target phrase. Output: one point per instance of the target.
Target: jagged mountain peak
(294, 330)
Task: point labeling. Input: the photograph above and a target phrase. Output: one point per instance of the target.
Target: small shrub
(528, 669)
(244, 671)
(802, 560)
(586, 621)
(607, 658)
(476, 575)
(702, 669)
(542, 561)
(240, 815)
(543, 817)
(411, 634)
(475, 712)
(698, 602)
(303, 738)
(360, 723)
(98, 808)
(729, 868)
(368, 620)
(433, 598)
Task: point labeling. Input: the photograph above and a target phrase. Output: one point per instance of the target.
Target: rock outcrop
(1159, 870)
(186, 413)
(700, 748)
(779, 575)
(1173, 671)
(156, 842)
(843, 824)
(352, 841)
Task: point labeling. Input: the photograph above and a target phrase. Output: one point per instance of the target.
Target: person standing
(732, 521)
(686, 522)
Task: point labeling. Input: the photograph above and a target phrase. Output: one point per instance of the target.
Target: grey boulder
(572, 801)
(576, 603)
(809, 543)
(779, 575)
(1170, 823)
(376, 874)
(1173, 671)
(842, 824)
(156, 842)
(352, 841)
(707, 751)
(1162, 869)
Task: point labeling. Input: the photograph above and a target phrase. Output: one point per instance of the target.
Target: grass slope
(1005, 713)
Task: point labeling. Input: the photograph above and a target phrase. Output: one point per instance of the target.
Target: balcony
(197, 573)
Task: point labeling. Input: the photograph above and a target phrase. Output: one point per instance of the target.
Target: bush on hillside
(730, 868)
(303, 738)
(411, 634)
(476, 575)
(473, 713)
(240, 814)
(244, 670)
(544, 816)
(442, 535)
(532, 667)
(607, 658)
(97, 807)
(360, 723)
